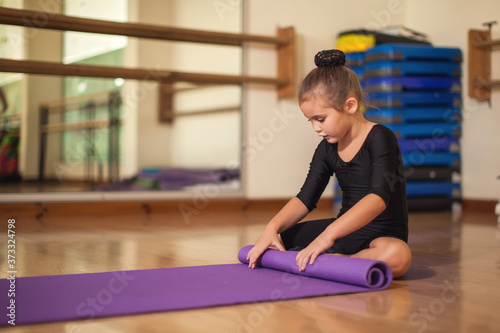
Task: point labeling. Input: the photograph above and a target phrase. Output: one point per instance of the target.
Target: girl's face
(329, 123)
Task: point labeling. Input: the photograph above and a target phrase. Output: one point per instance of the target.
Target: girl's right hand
(268, 240)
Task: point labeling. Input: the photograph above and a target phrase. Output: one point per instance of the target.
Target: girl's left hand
(311, 252)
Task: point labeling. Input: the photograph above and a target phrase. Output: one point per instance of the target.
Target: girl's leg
(393, 251)
(302, 234)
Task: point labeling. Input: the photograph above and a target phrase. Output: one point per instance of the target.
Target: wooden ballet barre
(13, 119)
(488, 84)
(489, 43)
(45, 20)
(76, 107)
(11, 116)
(53, 68)
(480, 48)
(207, 111)
(192, 88)
(72, 101)
(82, 125)
(285, 42)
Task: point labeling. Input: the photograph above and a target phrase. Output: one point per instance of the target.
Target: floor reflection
(452, 285)
(72, 252)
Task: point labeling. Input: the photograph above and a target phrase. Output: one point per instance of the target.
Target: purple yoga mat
(86, 296)
(360, 272)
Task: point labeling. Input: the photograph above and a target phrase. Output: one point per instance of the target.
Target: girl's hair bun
(329, 58)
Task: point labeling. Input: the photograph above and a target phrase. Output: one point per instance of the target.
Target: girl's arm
(289, 215)
(362, 213)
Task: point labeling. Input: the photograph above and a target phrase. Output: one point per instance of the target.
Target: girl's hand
(311, 252)
(268, 240)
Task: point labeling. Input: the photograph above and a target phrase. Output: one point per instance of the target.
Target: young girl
(365, 157)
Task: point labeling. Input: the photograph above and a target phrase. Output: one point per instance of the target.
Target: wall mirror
(76, 134)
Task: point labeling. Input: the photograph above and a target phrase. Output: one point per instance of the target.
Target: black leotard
(376, 168)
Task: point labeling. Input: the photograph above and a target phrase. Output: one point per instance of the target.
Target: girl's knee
(399, 259)
(397, 255)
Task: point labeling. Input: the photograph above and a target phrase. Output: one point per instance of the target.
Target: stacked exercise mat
(356, 62)
(415, 90)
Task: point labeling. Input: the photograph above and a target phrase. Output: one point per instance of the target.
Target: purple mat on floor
(86, 296)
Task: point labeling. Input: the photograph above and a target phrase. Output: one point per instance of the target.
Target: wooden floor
(452, 286)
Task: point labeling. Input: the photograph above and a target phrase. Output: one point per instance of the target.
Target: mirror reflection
(71, 134)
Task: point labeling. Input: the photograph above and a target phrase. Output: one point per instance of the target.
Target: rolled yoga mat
(86, 296)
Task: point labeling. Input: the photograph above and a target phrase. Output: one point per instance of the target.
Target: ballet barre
(480, 47)
(87, 105)
(284, 42)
